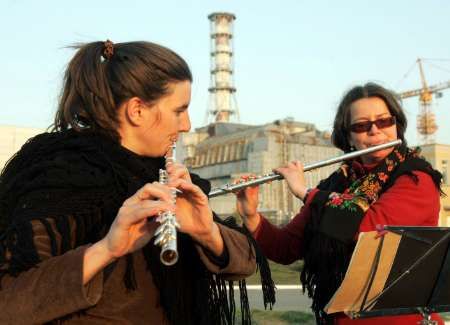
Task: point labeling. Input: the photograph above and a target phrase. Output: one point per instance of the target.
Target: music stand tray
(400, 270)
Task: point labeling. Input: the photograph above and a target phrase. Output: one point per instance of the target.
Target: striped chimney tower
(222, 100)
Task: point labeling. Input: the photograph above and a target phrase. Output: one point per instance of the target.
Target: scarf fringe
(262, 265)
(324, 268)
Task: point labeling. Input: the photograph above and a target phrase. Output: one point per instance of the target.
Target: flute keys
(166, 234)
(165, 238)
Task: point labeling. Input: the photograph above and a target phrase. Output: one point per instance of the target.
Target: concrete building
(11, 140)
(439, 156)
(222, 152)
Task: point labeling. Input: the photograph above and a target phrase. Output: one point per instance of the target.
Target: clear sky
(292, 57)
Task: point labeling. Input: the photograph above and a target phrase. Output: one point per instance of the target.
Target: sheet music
(349, 296)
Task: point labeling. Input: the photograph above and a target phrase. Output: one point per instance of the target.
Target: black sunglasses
(365, 126)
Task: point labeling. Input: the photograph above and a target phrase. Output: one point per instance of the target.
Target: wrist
(302, 193)
(252, 222)
(96, 257)
(213, 240)
(305, 196)
(100, 250)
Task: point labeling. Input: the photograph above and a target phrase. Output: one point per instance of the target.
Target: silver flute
(166, 233)
(229, 188)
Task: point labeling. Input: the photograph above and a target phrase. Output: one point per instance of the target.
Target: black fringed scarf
(336, 213)
(88, 177)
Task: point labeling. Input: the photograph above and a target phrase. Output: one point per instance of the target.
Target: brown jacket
(54, 288)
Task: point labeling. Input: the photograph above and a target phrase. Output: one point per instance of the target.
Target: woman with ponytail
(394, 186)
(78, 205)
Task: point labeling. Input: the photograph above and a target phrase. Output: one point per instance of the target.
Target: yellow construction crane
(426, 120)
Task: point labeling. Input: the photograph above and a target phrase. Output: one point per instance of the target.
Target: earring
(352, 148)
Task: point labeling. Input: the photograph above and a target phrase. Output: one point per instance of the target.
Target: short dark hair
(96, 84)
(341, 126)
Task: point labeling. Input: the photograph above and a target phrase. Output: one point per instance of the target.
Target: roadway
(289, 297)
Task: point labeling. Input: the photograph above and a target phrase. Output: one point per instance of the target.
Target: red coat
(406, 203)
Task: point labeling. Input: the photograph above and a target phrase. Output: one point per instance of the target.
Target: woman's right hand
(131, 229)
(247, 204)
(294, 175)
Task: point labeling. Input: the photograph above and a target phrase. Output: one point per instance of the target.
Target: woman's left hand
(193, 211)
(177, 170)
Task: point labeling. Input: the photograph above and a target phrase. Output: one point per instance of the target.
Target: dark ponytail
(102, 75)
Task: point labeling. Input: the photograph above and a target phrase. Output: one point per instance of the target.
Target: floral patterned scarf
(337, 210)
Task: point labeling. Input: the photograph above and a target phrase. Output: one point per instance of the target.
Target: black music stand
(414, 279)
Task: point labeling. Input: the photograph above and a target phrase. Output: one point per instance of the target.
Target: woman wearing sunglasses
(394, 186)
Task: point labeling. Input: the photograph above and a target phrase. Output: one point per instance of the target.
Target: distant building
(11, 140)
(439, 156)
(222, 152)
